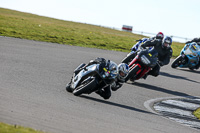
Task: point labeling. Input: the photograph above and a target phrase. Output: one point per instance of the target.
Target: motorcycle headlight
(145, 60)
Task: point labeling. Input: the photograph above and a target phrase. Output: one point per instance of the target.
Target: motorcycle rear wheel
(85, 87)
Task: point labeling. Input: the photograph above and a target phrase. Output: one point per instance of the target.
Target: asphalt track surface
(33, 76)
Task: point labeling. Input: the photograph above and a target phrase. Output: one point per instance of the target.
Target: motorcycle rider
(158, 36)
(123, 69)
(122, 73)
(197, 40)
(164, 53)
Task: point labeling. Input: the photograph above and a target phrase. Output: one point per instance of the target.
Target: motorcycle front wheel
(177, 62)
(85, 86)
(68, 88)
(128, 59)
(132, 72)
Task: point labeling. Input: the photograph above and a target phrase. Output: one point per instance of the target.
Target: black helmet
(167, 42)
(160, 35)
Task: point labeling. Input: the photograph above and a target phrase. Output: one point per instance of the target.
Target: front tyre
(132, 72)
(68, 88)
(177, 62)
(85, 86)
(128, 58)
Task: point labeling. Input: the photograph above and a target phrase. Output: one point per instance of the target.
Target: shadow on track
(152, 87)
(190, 71)
(177, 77)
(115, 104)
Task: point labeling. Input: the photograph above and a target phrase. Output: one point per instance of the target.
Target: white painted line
(174, 110)
(186, 105)
(149, 103)
(186, 122)
(151, 106)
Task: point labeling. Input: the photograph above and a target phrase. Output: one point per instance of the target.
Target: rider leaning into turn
(122, 73)
(197, 40)
(158, 36)
(164, 53)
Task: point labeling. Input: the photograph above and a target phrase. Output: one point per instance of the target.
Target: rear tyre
(177, 62)
(132, 72)
(85, 86)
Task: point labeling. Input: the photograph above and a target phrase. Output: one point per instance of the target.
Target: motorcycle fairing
(77, 78)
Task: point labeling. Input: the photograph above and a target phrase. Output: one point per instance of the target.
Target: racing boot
(104, 93)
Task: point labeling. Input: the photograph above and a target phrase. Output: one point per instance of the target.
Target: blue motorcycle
(188, 58)
(134, 49)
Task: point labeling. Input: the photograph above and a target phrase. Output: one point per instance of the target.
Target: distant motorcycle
(91, 78)
(134, 49)
(145, 60)
(188, 57)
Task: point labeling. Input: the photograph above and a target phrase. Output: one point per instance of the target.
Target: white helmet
(123, 69)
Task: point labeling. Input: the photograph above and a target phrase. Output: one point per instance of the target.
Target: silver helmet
(123, 69)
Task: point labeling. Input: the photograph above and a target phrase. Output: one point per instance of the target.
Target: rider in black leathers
(159, 36)
(197, 40)
(164, 53)
(106, 91)
(123, 70)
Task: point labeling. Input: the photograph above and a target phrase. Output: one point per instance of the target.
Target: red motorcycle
(144, 61)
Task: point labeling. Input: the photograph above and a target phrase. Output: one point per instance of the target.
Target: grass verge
(29, 26)
(6, 128)
(197, 113)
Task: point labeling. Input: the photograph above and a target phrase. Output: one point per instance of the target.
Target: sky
(179, 18)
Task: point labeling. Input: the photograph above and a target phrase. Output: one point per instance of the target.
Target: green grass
(34, 27)
(197, 113)
(5, 128)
